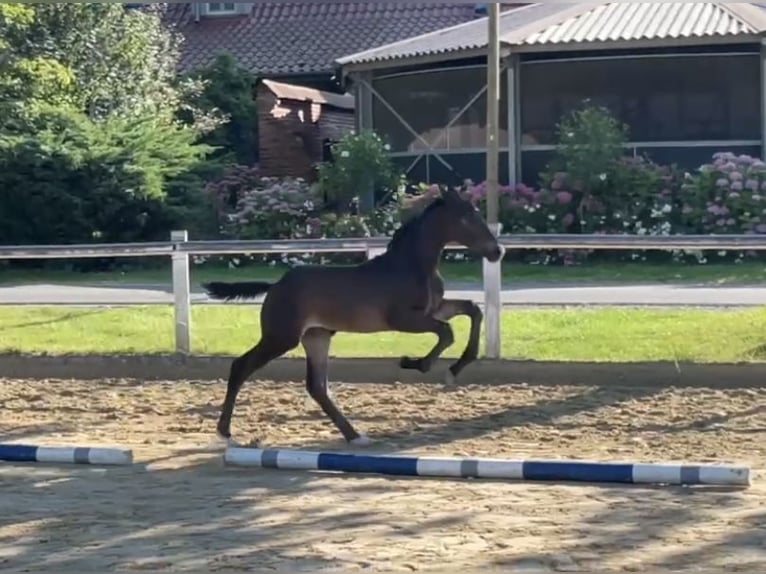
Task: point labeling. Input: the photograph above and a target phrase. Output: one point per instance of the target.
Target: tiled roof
(557, 23)
(286, 37)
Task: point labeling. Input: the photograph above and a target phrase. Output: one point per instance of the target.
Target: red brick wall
(289, 145)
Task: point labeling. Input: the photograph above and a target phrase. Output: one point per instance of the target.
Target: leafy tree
(123, 61)
(25, 76)
(91, 147)
(229, 90)
(74, 180)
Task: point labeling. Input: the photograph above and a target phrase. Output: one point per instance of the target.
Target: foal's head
(462, 223)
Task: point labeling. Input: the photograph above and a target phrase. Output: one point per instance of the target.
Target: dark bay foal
(399, 290)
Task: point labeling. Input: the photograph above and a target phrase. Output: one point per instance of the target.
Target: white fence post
(181, 293)
(493, 283)
(373, 252)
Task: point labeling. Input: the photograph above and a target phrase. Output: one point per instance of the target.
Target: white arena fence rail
(179, 249)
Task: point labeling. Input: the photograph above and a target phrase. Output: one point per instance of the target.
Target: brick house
(294, 125)
(294, 45)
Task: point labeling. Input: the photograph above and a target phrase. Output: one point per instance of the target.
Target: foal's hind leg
(269, 348)
(316, 343)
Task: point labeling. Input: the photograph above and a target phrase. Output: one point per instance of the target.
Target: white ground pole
(66, 454)
(493, 468)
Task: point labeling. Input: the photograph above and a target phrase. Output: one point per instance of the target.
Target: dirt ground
(178, 508)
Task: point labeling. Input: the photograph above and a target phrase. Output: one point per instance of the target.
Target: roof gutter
(667, 43)
(420, 60)
(753, 16)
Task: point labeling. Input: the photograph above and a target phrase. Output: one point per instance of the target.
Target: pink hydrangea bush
(638, 197)
(527, 210)
(254, 207)
(523, 209)
(228, 190)
(727, 196)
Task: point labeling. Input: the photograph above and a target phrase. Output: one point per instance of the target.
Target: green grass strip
(574, 334)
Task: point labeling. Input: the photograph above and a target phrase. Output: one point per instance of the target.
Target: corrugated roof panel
(616, 21)
(456, 38)
(626, 25)
(559, 23)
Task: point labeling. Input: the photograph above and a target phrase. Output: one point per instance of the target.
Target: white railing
(179, 248)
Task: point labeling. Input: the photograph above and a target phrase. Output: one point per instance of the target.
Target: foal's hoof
(410, 363)
(361, 440)
(224, 441)
(450, 382)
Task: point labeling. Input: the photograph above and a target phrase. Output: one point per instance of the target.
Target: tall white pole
(492, 271)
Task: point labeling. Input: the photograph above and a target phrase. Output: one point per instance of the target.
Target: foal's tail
(241, 290)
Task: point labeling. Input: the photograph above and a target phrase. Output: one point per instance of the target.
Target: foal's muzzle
(495, 253)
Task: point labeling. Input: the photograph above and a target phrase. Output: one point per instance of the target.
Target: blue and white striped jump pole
(65, 454)
(548, 470)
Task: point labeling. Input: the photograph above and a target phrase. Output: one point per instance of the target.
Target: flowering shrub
(527, 210)
(640, 197)
(290, 208)
(727, 196)
(637, 196)
(589, 147)
(273, 209)
(360, 162)
(229, 189)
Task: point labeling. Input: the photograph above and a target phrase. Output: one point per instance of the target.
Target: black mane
(409, 230)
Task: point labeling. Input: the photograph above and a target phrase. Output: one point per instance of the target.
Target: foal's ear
(451, 194)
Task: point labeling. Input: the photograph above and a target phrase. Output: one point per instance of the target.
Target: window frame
(222, 11)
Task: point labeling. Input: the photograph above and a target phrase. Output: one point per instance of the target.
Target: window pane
(428, 102)
(221, 6)
(532, 164)
(711, 97)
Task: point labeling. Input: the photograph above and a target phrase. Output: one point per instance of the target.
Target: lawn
(604, 334)
(720, 274)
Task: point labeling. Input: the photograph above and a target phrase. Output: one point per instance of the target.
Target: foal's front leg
(413, 322)
(316, 343)
(450, 308)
